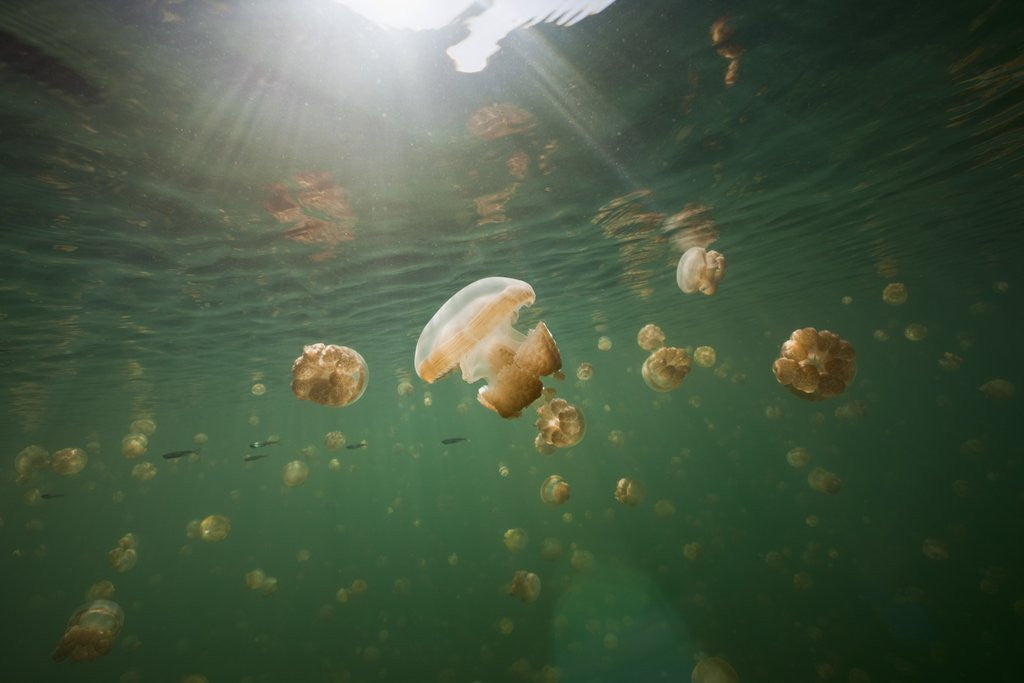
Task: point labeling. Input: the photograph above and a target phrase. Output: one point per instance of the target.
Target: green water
(146, 275)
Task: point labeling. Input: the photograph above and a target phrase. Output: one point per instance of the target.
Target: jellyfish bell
(554, 490)
(90, 632)
(69, 461)
(650, 337)
(815, 365)
(525, 586)
(714, 670)
(666, 368)
(473, 331)
(559, 424)
(700, 270)
(329, 375)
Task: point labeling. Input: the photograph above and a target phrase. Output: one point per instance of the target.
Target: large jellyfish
(329, 375)
(91, 631)
(700, 270)
(473, 331)
(666, 368)
(815, 365)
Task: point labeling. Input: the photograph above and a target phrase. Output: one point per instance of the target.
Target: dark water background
(143, 276)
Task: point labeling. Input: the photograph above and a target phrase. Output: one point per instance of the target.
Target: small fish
(254, 456)
(270, 441)
(48, 496)
(453, 439)
(361, 444)
(178, 454)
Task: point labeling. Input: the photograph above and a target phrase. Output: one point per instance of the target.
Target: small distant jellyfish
(329, 375)
(846, 300)
(693, 551)
(295, 473)
(525, 586)
(560, 423)
(629, 492)
(334, 440)
(950, 361)
(90, 632)
(798, 457)
(193, 529)
(143, 426)
(269, 586)
(343, 595)
(551, 549)
(473, 331)
(880, 335)
(895, 294)
(604, 344)
(650, 337)
(144, 471)
(125, 555)
(405, 388)
(664, 508)
(30, 459)
(815, 365)
(515, 539)
(69, 461)
(214, 528)
(581, 560)
(200, 438)
(704, 356)
(823, 481)
(258, 389)
(934, 549)
(666, 368)
(998, 389)
(915, 332)
(505, 626)
(616, 438)
(584, 372)
(700, 270)
(359, 586)
(101, 590)
(134, 445)
(554, 490)
(851, 411)
(254, 579)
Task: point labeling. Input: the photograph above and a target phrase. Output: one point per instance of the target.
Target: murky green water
(193, 191)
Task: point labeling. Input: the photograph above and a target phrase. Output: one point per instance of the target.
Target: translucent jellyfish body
(214, 528)
(515, 540)
(650, 337)
(68, 461)
(144, 471)
(134, 445)
(554, 490)
(91, 631)
(473, 331)
(334, 440)
(666, 368)
(629, 492)
(815, 365)
(30, 459)
(295, 473)
(525, 586)
(700, 270)
(704, 356)
(125, 555)
(714, 670)
(559, 423)
(823, 481)
(998, 389)
(329, 375)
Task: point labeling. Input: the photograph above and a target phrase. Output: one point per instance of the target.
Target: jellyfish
(604, 343)
(915, 332)
(100, 590)
(134, 445)
(704, 356)
(823, 481)
(214, 528)
(895, 294)
(295, 473)
(554, 490)
(90, 632)
(143, 426)
(581, 560)
(254, 579)
(934, 549)
(650, 337)
(629, 492)
(551, 549)
(666, 368)
(693, 551)
(998, 389)
(714, 670)
(258, 389)
(798, 457)
(334, 440)
(700, 270)
(125, 555)
(584, 372)
(68, 461)
(815, 365)
(144, 471)
(515, 539)
(329, 375)
(525, 586)
(560, 424)
(30, 459)
(473, 330)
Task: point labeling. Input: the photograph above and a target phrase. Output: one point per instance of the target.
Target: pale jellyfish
(91, 631)
(700, 270)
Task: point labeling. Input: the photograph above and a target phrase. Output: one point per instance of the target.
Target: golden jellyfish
(505, 626)
(473, 331)
(950, 361)
(604, 344)
(525, 586)
(329, 375)
(666, 368)
(405, 388)
(124, 556)
(815, 365)
(650, 337)
(895, 294)
(704, 356)
(254, 579)
(101, 590)
(934, 549)
(193, 529)
(700, 270)
(693, 551)
(334, 440)
(90, 632)
(664, 508)
(30, 459)
(134, 445)
(798, 457)
(629, 492)
(559, 423)
(551, 549)
(714, 670)
(214, 528)
(143, 426)
(542, 446)
(823, 481)
(998, 389)
(915, 332)
(584, 372)
(144, 471)
(295, 473)
(68, 461)
(258, 389)
(554, 490)
(616, 438)
(269, 585)
(515, 539)
(359, 586)
(581, 560)
(200, 438)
